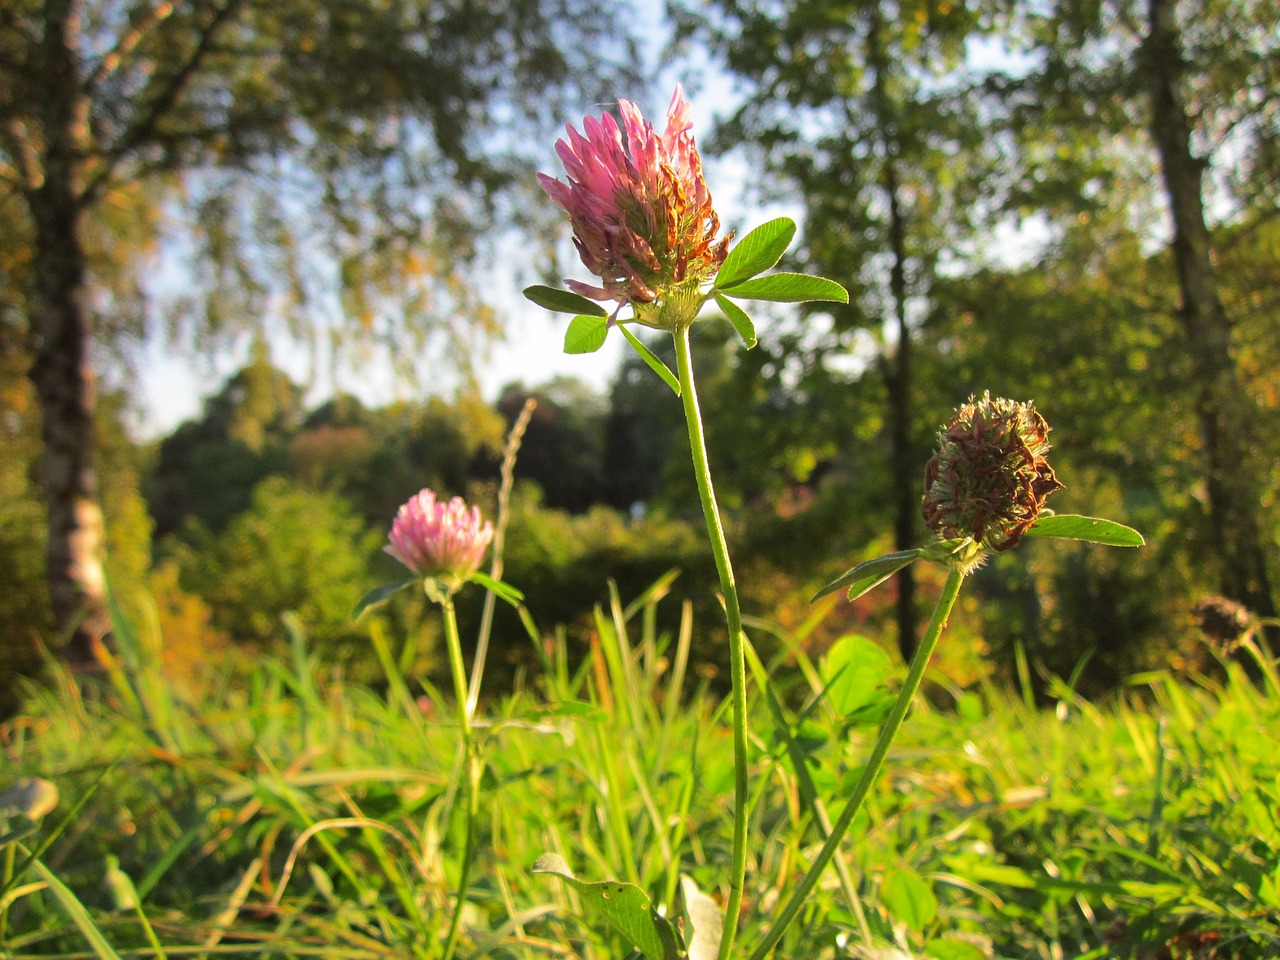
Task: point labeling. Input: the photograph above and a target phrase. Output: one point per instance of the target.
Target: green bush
(294, 550)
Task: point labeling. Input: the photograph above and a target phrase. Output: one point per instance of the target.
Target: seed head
(1223, 622)
(989, 479)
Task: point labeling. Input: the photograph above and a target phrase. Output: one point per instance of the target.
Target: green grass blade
(76, 911)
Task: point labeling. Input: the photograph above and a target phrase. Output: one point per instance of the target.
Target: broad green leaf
(586, 333)
(947, 948)
(503, 591)
(788, 288)
(757, 251)
(379, 594)
(1269, 889)
(563, 301)
(857, 674)
(738, 317)
(979, 870)
(905, 894)
(704, 919)
(1089, 529)
(869, 574)
(624, 906)
(654, 362)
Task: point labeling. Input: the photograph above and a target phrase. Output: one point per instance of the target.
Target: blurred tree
(294, 550)
(854, 108)
(1181, 111)
(563, 448)
(206, 469)
(1114, 90)
(644, 432)
(25, 616)
(1092, 341)
(415, 445)
(345, 146)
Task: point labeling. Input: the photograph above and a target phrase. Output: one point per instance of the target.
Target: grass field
(291, 814)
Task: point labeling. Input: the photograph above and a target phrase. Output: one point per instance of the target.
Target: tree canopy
(334, 164)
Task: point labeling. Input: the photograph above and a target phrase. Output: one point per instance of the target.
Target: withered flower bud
(989, 479)
(1223, 622)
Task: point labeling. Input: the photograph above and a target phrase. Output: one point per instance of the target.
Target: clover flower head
(989, 479)
(444, 541)
(641, 212)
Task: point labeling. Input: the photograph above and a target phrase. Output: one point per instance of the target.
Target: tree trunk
(1222, 407)
(904, 477)
(60, 328)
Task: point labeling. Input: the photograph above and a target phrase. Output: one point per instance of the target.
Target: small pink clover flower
(444, 541)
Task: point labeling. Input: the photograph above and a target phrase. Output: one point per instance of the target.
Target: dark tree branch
(110, 61)
(144, 130)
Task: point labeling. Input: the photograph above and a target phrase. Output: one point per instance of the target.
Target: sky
(172, 384)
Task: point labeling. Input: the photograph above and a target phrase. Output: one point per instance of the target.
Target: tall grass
(297, 815)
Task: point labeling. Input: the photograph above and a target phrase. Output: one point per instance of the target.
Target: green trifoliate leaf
(624, 906)
(1089, 529)
(379, 594)
(563, 301)
(655, 363)
(906, 895)
(738, 317)
(586, 334)
(857, 673)
(756, 252)
(503, 591)
(788, 288)
(869, 574)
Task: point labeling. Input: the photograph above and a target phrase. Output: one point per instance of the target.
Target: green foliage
(206, 469)
(295, 550)
(563, 445)
(564, 564)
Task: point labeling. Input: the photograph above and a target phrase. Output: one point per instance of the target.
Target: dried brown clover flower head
(1223, 622)
(989, 479)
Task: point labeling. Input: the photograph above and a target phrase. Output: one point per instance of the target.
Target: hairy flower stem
(737, 639)
(941, 611)
(471, 781)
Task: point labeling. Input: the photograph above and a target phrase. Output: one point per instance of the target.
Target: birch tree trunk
(60, 327)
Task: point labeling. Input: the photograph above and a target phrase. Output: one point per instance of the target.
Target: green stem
(737, 639)
(6, 878)
(471, 782)
(941, 611)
